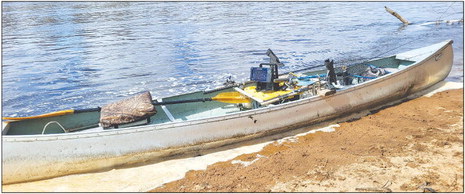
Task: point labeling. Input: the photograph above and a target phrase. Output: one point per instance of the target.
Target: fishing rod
(339, 63)
(350, 62)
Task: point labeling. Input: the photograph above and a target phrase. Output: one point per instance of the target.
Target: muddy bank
(410, 147)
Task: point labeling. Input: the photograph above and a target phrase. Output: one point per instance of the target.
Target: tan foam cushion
(132, 109)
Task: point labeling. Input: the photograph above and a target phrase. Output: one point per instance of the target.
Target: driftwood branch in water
(403, 20)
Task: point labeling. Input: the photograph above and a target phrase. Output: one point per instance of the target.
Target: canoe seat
(127, 111)
(167, 112)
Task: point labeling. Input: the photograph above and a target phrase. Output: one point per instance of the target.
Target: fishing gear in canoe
(225, 97)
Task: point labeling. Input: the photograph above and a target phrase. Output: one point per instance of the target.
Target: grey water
(63, 55)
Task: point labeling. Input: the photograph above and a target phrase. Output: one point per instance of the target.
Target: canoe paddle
(225, 97)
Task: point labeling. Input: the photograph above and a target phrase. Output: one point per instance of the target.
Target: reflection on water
(60, 55)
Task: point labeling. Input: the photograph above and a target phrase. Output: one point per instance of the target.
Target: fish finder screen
(260, 74)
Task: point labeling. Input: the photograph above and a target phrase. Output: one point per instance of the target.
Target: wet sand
(406, 147)
(411, 147)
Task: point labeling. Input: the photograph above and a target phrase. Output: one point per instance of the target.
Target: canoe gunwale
(247, 113)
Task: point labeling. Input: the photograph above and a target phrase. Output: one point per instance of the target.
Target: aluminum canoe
(28, 157)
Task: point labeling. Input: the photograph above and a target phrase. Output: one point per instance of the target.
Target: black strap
(87, 110)
(181, 101)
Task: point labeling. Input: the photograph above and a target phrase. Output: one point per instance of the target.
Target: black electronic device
(265, 76)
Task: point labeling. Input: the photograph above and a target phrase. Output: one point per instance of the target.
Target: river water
(62, 55)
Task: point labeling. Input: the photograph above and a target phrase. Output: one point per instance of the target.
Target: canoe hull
(34, 157)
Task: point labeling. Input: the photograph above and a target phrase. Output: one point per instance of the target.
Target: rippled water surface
(61, 55)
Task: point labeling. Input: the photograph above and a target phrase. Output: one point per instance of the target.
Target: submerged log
(403, 20)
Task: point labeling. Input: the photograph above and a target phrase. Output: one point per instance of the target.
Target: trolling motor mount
(265, 76)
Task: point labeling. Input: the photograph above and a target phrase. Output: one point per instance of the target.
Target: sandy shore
(410, 147)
